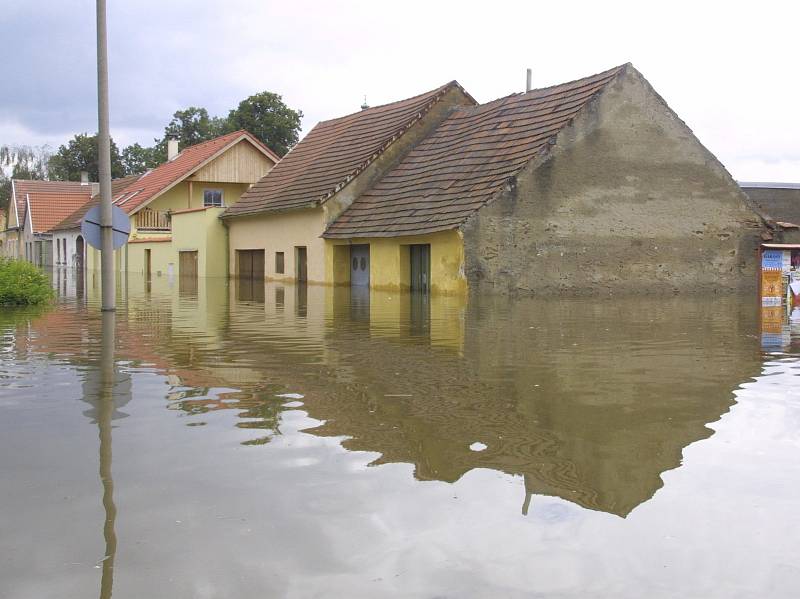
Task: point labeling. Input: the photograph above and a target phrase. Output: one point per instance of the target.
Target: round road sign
(91, 230)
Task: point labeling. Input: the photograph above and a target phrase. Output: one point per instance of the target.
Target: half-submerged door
(420, 267)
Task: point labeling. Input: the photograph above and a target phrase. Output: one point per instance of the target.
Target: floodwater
(271, 441)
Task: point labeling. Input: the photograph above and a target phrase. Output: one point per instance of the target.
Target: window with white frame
(212, 198)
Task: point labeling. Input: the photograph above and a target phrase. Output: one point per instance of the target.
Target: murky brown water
(284, 442)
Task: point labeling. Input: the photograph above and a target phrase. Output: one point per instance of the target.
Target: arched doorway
(79, 253)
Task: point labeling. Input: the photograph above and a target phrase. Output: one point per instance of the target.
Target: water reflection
(583, 400)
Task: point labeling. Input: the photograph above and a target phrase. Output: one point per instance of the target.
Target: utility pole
(104, 164)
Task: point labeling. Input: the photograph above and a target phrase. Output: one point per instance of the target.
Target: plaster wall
(390, 261)
(626, 200)
(281, 232)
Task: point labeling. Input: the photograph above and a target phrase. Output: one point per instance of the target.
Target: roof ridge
(467, 159)
(434, 91)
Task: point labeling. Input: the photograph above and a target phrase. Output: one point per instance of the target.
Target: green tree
(193, 126)
(25, 162)
(269, 119)
(137, 159)
(80, 154)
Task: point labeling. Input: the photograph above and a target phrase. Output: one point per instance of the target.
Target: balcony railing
(153, 220)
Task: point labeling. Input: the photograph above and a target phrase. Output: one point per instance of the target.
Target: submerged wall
(627, 200)
(390, 261)
(281, 232)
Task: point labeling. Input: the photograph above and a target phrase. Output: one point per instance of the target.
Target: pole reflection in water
(105, 415)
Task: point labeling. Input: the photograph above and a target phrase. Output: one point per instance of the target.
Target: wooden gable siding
(240, 164)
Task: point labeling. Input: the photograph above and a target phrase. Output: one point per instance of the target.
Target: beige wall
(281, 232)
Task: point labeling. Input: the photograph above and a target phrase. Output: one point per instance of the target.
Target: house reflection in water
(584, 400)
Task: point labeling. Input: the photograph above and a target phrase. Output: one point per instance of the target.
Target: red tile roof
(131, 193)
(47, 209)
(163, 177)
(73, 220)
(333, 153)
(465, 161)
(25, 186)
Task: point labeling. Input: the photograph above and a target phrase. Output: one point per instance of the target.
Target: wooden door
(187, 272)
(250, 264)
(420, 267)
(187, 265)
(301, 256)
(148, 265)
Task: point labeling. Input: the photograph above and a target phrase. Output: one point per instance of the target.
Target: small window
(212, 198)
(279, 263)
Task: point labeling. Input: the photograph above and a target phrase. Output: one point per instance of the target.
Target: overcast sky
(729, 70)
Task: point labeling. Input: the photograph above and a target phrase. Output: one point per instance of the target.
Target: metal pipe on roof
(528, 80)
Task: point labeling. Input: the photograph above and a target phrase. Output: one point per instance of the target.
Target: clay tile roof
(47, 209)
(465, 161)
(73, 220)
(22, 187)
(164, 176)
(332, 154)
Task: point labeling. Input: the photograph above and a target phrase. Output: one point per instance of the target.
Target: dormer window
(212, 198)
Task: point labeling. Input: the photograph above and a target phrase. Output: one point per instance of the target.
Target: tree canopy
(80, 154)
(23, 162)
(264, 114)
(269, 119)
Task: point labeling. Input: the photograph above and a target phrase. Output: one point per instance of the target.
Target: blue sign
(772, 260)
(120, 227)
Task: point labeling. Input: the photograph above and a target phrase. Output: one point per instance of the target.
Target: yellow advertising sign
(771, 283)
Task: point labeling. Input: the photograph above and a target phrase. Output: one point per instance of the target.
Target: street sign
(120, 223)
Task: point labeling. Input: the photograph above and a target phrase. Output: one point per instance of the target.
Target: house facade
(275, 231)
(34, 209)
(593, 186)
(174, 209)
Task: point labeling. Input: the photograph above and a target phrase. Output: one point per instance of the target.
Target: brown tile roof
(26, 186)
(332, 154)
(47, 209)
(461, 165)
(117, 185)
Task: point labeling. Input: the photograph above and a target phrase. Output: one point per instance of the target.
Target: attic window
(212, 198)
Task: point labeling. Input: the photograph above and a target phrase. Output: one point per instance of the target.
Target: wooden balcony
(153, 220)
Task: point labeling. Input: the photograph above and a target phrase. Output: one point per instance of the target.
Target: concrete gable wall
(627, 200)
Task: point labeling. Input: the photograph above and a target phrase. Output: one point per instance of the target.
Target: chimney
(172, 147)
(84, 177)
(528, 80)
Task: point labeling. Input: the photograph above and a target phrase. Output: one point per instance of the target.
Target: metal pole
(528, 80)
(104, 164)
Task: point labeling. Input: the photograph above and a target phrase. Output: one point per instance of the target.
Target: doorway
(79, 253)
(359, 265)
(250, 264)
(187, 272)
(301, 261)
(420, 267)
(148, 265)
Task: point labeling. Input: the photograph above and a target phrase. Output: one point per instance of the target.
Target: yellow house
(275, 230)
(174, 209)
